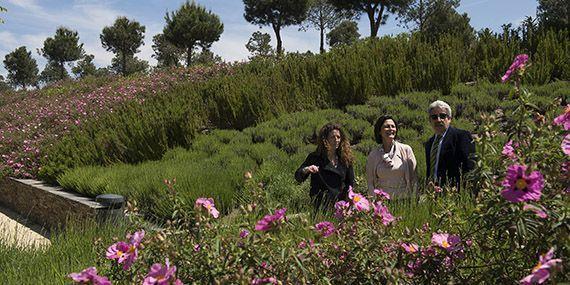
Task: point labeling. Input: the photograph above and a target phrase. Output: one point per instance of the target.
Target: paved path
(14, 230)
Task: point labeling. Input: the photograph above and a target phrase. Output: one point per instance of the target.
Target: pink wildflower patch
(342, 209)
(208, 204)
(267, 280)
(161, 275)
(244, 234)
(270, 222)
(522, 187)
(446, 241)
(541, 272)
(126, 253)
(89, 276)
(360, 203)
(563, 119)
(325, 228)
(566, 145)
(518, 63)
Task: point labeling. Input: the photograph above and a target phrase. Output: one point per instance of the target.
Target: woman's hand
(311, 169)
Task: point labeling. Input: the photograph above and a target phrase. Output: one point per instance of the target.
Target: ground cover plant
(518, 219)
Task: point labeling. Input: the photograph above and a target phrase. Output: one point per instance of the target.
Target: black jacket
(330, 183)
(455, 156)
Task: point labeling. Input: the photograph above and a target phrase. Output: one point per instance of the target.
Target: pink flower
(538, 211)
(360, 203)
(208, 204)
(509, 150)
(382, 212)
(446, 241)
(89, 276)
(564, 119)
(260, 281)
(518, 63)
(522, 187)
(325, 228)
(410, 247)
(383, 195)
(566, 144)
(541, 272)
(161, 275)
(244, 234)
(271, 221)
(124, 252)
(342, 209)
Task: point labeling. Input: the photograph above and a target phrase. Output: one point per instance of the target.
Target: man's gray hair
(440, 104)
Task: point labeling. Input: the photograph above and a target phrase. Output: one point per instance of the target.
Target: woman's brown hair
(344, 152)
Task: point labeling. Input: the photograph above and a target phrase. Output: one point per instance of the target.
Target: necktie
(433, 154)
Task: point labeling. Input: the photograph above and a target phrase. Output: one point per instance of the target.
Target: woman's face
(388, 130)
(333, 140)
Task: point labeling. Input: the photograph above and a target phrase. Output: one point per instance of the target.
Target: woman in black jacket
(330, 167)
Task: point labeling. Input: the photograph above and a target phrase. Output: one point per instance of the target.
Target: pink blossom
(342, 209)
(89, 276)
(410, 247)
(566, 145)
(446, 241)
(540, 212)
(244, 234)
(126, 253)
(325, 228)
(267, 280)
(208, 204)
(563, 119)
(518, 63)
(382, 212)
(360, 202)
(509, 150)
(383, 195)
(522, 187)
(161, 275)
(541, 272)
(271, 221)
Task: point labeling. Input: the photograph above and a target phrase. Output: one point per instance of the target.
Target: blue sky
(30, 22)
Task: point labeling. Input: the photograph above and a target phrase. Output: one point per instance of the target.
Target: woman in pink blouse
(392, 166)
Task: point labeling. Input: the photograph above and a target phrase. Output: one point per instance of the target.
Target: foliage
(52, 73)
(259, 45)
(123, 39)
(277, 14)
(22, 68)
(63, 47)
(191, 26)
(166, 53)
(324, 16)
(553, 14)
(128, 65)
(376, 10)
(85, 67)
(346, 33)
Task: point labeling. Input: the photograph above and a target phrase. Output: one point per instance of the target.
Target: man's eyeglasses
(442, 116)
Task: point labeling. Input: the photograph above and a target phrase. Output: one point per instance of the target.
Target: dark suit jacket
(330, 184)
(455, 156)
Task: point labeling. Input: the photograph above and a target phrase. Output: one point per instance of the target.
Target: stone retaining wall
(45, 205)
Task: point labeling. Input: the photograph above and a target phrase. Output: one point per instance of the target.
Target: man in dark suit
(449, 151)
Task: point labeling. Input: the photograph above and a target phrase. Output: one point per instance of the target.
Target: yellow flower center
(521, 184)
(537, 267)
(119, 253)
(356, 199)
(445, 244)
(413, 249)
(208, 206)
(132, 248)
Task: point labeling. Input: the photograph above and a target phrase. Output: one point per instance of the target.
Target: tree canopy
(22, 68)
(166, 53)
(259, 45)
(376, 10)
(345, 33)
(277, 14)
(85, 67)
(191, 26)
(123, 39)
(63, 47)
(324, 16)
(554, 14)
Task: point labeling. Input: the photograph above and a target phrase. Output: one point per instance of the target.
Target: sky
(29, 22)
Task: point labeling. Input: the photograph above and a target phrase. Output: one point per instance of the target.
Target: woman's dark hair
(344, 152)
(378, 127)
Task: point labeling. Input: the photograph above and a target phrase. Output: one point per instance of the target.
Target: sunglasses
(442, 116)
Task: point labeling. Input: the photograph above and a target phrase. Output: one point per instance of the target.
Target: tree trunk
(322, 47)
(124, 63)
(277, 30)
(189, 55)
(62, 70)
